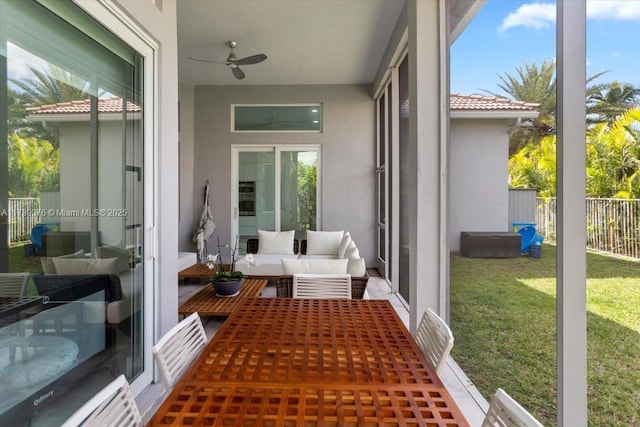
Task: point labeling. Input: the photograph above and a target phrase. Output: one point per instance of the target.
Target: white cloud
(616, 54)
(620, 10)
(543, 15)
(532, 15)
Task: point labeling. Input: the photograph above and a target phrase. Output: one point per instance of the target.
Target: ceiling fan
(233, 62)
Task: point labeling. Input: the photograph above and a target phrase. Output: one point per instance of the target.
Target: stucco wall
(348, 153)
(185, 221)
(479, 197)
(75, 178)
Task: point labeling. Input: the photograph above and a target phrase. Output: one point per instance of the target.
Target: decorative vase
(227, 289)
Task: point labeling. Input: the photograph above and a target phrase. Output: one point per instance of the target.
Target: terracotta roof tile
(458, 103)
(106, 105)
(488, 103)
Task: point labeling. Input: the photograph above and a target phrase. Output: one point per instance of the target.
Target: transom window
(276, 118)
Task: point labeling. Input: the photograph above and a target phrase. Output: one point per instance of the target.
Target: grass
(504, 322)
(18, 262)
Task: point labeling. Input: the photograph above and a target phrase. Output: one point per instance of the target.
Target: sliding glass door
(275, 188)
(71, 186)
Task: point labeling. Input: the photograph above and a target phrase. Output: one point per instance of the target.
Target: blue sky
(507, 33)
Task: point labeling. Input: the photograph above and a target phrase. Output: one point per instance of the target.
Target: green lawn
(18, 262)
(503, 320)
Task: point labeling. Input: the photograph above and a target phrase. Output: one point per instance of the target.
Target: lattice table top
(283, 361)
(196, 271)
(207, 303)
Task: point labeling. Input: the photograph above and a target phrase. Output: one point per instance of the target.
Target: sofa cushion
(122, 255)
(276, 242)
(314, 266)
(47, 262)
(356, 267)
(265, 264)
(344, 244)
(86, 266)
(323, 242)
(352, 252)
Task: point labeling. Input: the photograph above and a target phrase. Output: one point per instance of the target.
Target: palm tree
(607, 102)
(47, 87)
(536, 85)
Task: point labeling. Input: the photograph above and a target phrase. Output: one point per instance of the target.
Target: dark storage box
(489, 244)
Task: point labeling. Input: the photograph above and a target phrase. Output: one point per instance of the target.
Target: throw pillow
(276, 242)
(86, 266)
(47, 262)
(314, 266)
(344, 244)
(323, 242)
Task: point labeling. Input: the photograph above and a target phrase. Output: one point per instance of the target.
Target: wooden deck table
(207, 303)
(291, 362)
(198, 271)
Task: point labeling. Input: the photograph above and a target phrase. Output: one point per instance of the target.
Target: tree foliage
(612, 134)
(51, 86)
(34, 164)
(534, 84)
(307, 187)
(612, 158)
(33, 149)
(607, 102)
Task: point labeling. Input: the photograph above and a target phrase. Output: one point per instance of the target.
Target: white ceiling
(306, 41)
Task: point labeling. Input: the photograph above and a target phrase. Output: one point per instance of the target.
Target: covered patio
(378, 72)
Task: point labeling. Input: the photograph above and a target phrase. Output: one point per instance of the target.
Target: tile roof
(105, 105)
(458, 102)
(488, 103)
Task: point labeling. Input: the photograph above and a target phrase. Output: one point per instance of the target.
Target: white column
(428, 106)
(571, 270)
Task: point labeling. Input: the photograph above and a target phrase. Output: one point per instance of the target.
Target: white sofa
(275, 254)
(76, 276)
(186, 260)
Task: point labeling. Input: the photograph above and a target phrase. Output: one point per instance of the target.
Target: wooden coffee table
(198, 271)
(207, 303)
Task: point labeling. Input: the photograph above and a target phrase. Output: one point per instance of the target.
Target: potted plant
(226, 281)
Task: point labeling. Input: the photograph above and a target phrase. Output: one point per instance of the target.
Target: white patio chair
(13, 284)
(434, 338)
(112, 406)
(504, 411)
(322, 286)
(175, 351)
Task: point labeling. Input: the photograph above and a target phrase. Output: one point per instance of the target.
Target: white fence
(22, 218)
(613, 225)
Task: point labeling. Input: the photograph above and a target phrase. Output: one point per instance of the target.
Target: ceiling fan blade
(205, 60)
(237, 72)
(251, 59)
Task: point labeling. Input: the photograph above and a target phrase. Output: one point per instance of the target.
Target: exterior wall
(348, 153)
(75, 178)
(479, 195)
(186, 225)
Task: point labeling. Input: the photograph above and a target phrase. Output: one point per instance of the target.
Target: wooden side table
(198, 271)
(207, 303)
